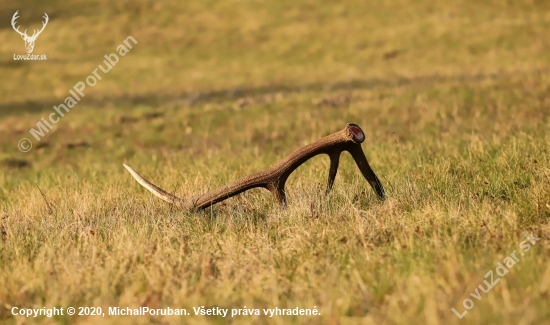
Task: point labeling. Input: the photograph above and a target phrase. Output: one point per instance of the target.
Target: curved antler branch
(274, 179)
(333, 169)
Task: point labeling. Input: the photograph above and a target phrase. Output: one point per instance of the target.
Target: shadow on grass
(156, 99)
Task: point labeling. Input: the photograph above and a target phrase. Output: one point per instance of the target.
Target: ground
(452, 97)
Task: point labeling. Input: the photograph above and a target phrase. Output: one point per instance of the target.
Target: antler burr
(274, 178)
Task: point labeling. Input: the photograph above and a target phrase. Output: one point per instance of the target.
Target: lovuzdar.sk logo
(29, 40)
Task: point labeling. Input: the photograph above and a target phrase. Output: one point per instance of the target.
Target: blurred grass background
(453, 99)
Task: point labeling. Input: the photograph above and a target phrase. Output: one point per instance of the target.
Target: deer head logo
(29, 40)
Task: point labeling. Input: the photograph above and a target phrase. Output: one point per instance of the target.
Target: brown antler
(274, 178)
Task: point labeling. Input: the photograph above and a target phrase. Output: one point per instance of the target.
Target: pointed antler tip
(129, 169)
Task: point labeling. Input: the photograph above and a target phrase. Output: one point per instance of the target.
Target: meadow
(453, 98)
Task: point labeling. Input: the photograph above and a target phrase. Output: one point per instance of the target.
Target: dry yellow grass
(453, 98)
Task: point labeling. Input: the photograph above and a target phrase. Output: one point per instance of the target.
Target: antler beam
(274, 179)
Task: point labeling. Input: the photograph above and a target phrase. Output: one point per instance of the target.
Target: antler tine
(363, 165)
(274, 178)
(333, 169)
(157, 191)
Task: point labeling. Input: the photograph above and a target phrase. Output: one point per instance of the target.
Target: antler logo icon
(29, 40)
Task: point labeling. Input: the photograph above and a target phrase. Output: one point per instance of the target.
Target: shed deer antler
(349, 139)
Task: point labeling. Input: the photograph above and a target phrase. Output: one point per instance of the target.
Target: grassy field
(454, 101)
